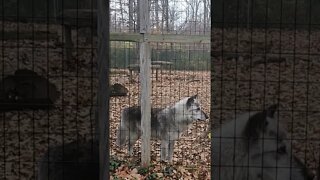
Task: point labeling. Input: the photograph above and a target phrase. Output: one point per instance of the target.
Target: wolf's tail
(122, 132)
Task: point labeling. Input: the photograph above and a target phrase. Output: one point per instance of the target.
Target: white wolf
(253, 146)
(166, 124)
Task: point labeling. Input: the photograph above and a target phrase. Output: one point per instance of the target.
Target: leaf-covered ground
(26, 135)
(258, 67)
(191, 158)
(294, 82)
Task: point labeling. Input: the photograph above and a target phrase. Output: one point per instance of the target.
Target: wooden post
(145, 75)
(102, 117)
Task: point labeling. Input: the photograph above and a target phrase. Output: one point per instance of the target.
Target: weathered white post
(145, 74)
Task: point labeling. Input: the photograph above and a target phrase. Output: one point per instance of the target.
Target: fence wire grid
(48, 90)
(265, 53)
(180, 69)
(262, 59)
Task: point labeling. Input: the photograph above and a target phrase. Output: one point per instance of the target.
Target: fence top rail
(163, 38)
(161, 62)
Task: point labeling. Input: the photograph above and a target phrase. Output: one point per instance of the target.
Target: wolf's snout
(206, 116)
(203, 117)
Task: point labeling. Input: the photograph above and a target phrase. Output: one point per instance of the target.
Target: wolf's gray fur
(254, 146)
(166, 124)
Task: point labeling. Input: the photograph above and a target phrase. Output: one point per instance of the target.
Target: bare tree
(136, 5)
(165, 15)
(157, 9)
(181, 16)
(121, 14)
(197, 16)
(131, 15)
(206, 8)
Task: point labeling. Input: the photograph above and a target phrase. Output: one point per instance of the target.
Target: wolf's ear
(194, 96)
(258, 123)
(191, 100)
(270, 111)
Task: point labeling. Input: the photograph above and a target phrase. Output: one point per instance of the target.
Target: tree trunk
(167, 15)
(121, 14)
(157, 14)
(131, 15)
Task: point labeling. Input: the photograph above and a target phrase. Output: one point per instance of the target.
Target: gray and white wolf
(167, 124)
(254, 146)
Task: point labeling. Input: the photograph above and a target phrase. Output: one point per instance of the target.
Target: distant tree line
(181, 17)
(266, 13)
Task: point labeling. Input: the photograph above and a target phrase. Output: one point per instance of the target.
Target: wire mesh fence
(264, 59)
(180, 68)
(48, 90)
(49, 81)
(265, 53)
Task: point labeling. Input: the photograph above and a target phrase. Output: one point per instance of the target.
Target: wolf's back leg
(133, 137)
(122, 135)
(164, 150)
(170, 150)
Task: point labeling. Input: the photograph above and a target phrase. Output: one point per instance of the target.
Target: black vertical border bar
(77, 79)
(308, 85)
(18, 67)
(294, 81)
(2, 74)
(102, 121)
(235, 87)
(33, 69)
(211, 89)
